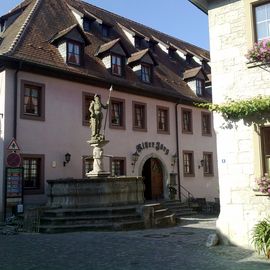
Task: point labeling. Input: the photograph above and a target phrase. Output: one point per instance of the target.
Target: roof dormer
(71, 43)
(196, 78)
(142, 63)
(113, 55)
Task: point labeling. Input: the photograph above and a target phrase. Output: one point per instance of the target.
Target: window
(265, 141)
(163, 120)
(139, 116)
(188, 163)
(86, 25)
(146, 73)
(73, 53)
(2, 25)
(262, 21)
(137, 42)
(88, 163)
(32, 101)
(118, 166)
(105, 30)
(33, 174)
(152, 45)
(206, 123)
(171, 53)
(187, 126)
(117, 119)
(86, 100)
(199, 87)
(208, 164)
(116, 65)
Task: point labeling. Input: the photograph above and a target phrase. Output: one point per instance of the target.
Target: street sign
(13, 160)
(13, 146)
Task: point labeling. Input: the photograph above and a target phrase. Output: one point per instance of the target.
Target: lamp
(134, 158)
(174, 159)
(67, 159)
(201, 164)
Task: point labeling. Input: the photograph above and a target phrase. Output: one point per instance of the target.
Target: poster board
(14, 183)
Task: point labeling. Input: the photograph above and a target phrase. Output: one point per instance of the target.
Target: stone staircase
(117, 218)
(180, 209)
(162, 216)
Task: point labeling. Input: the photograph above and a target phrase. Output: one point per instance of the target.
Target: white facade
(63, 131)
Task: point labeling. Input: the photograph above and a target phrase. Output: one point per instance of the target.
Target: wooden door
(156, 179)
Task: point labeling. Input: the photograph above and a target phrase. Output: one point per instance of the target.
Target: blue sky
(178, 18)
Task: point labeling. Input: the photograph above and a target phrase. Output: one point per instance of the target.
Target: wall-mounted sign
(14, 182)
(155, 145)
(13, 160)
(13, 146)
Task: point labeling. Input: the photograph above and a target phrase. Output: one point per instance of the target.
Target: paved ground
(162, 249)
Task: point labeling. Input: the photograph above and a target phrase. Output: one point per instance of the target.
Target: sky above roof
(178, 18)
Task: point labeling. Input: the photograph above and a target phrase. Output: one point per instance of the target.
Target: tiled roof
(139, 55)
(107, 46)
(28, 39)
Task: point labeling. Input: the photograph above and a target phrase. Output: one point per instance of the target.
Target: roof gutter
(201, 4)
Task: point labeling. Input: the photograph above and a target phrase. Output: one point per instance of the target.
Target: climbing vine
(236, 110)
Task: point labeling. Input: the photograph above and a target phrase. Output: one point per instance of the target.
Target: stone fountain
(98, 188)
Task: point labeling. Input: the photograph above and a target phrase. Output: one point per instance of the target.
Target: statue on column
(96, 117)
(97, 140)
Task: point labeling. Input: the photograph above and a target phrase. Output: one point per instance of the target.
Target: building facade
(50, 72)
(234, 28)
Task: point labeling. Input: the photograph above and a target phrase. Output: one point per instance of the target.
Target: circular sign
(13, 160)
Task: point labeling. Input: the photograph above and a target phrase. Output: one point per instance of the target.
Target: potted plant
(261, 237)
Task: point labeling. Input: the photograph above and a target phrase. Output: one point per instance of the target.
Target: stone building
(243, 150)
(56, 55)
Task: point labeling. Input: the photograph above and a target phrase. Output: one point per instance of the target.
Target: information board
(14, 182)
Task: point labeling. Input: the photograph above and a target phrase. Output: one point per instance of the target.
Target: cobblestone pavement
(161, 249)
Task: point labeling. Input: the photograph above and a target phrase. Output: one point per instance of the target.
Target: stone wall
(239, 159)
(95, 192)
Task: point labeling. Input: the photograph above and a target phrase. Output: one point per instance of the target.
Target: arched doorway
(153, 179)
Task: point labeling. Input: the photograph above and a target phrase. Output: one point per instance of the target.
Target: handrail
(189, 195)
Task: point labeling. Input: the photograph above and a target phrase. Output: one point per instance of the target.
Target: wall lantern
(201, 164)
(134, 158)
(67, 159)
(174, 159)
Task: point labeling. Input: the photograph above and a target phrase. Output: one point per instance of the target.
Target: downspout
(16, 100)
(177, 151)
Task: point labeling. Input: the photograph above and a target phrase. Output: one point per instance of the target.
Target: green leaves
(261, 237)
(240, 109)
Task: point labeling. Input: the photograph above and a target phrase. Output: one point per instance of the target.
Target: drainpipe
(16, 100)
(177, 151)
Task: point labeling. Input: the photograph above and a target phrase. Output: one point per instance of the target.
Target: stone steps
(179, 209)
(90, 219)
(92, 227)
(57, 220)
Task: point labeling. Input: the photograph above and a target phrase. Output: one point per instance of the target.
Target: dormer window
(171, 53)
(116, 65)
(137, 42)
(146, 73)
(151, 45)
(105, 30)
(2, 26)
(86, 24)
(200, 85)
(73, 53)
